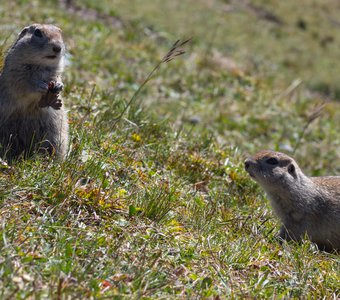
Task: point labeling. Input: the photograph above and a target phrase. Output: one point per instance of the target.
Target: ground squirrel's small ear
(291, 170)
(22, 33)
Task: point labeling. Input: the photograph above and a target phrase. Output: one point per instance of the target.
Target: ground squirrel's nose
(56, 49)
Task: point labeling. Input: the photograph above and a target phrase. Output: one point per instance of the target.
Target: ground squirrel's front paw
(55, 87)
(57, 103)
(52, 100)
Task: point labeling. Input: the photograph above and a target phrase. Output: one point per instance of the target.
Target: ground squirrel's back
(31, 113)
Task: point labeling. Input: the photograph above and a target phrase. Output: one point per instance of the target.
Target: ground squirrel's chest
(43, 73)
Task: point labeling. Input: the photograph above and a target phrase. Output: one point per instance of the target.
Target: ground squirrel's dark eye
(38, 33)
(272, 161)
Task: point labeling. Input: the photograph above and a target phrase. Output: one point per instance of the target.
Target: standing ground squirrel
(305, 205)
(32, 117)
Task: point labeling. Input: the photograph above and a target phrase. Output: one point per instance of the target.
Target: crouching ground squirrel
(32, 117)
(305, 205)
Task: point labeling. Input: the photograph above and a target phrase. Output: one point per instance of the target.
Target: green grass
(158, 205)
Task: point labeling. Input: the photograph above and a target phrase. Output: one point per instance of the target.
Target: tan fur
(28, 121)
(305, 205)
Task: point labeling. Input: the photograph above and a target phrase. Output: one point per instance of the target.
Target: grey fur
(305, 205)
(34, 60)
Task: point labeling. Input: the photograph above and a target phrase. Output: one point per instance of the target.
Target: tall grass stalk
(175, 50)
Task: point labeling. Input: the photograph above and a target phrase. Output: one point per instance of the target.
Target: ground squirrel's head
(39, 44)
(273, 170)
